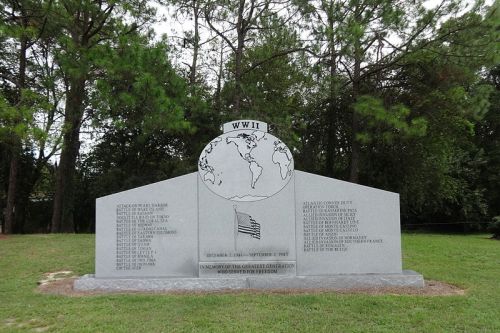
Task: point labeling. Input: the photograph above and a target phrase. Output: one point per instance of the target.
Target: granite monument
(248, 219)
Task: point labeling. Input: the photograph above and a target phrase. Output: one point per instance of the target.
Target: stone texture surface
(176, 254)
(348, 281)
(89, 282)
(406, 279)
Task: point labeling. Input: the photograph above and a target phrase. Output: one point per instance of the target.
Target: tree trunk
(63, 207)
(238, 57)
(355, 145)
(237, 82)
(196, 47)
(16, 144)
(218, 89)
(355, 150)
(332, 111)
(11, 193)
(331, 140)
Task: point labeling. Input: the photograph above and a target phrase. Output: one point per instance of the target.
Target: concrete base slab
(406, 279)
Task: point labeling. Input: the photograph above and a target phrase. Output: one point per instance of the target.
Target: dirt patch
(59, 287)
(2, 236)
(35, 324)
(56, 276)
(432, 288)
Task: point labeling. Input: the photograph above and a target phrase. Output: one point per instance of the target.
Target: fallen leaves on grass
(36, 325)
(56, 276)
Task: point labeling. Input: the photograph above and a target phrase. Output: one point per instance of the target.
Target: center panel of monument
(245, 204)
(247, 238)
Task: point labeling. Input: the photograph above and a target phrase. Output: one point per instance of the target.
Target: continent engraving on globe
(245, 163)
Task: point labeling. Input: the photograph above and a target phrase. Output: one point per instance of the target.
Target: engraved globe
(246, 165)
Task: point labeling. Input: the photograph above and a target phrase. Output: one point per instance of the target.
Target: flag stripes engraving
(247, 225)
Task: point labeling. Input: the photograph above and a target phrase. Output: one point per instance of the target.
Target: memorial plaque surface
(224, 235)
(149, 231)
(345, 228)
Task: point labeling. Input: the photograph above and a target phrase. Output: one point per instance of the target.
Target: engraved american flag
(247, 225)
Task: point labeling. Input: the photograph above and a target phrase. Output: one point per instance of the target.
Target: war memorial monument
(248, 220)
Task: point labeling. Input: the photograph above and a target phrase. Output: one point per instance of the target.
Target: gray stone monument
(247, 219)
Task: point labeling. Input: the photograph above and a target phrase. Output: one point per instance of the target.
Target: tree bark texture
(332, 109)
(218, 89)
(238, 58)
(63, 207)
(355, 145)
(16, 144)
(196, 47)
(11, 193)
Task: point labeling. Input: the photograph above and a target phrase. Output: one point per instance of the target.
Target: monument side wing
(345, 228)
(149, 231)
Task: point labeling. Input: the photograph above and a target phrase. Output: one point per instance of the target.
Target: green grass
(471, 262)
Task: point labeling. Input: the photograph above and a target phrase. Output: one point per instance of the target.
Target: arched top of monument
(238, 125)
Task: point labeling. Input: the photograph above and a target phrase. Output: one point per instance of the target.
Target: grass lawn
(471, 262)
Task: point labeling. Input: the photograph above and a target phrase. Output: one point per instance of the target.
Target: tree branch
(277, 55)
(220, 34)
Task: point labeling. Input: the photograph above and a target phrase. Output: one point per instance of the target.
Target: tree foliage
(393, 94)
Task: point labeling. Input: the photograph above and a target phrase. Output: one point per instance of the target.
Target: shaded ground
(432, 288)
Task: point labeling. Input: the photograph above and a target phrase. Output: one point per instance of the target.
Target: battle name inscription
(331, 226)
(137, 225)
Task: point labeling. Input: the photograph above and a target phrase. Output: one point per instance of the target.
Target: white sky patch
(176, 27)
